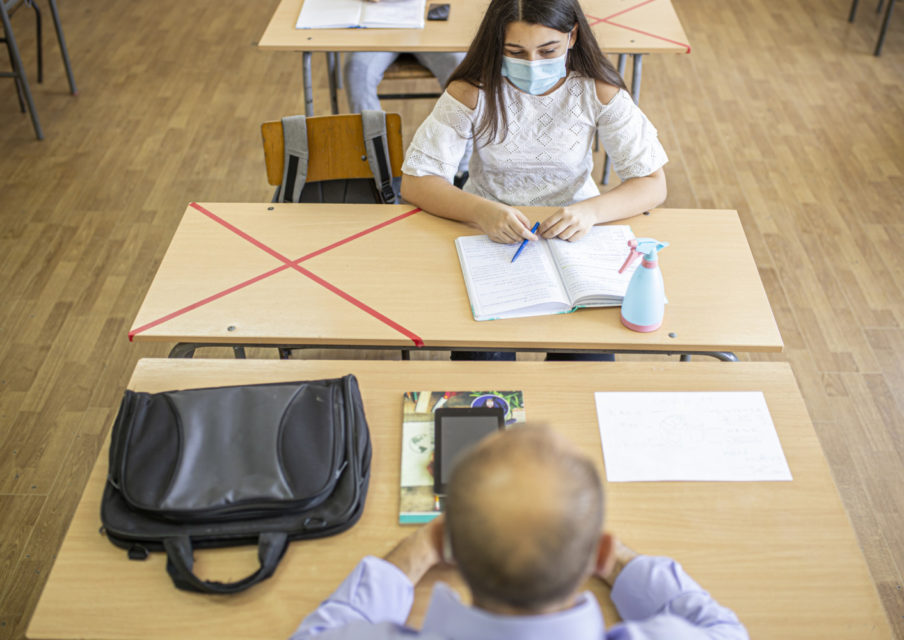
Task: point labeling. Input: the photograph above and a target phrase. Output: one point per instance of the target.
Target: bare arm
(434, 194)
(419, 551)
(500, 222)
(630, 198)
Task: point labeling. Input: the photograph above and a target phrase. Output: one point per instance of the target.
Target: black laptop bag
(255, 464)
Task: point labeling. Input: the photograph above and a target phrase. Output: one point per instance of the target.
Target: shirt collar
(448, 617)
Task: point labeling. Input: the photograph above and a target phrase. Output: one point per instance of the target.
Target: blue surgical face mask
(534, 76)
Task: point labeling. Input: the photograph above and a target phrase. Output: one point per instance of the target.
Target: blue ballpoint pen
(533, 229)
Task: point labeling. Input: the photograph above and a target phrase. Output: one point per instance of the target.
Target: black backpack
(254, 464)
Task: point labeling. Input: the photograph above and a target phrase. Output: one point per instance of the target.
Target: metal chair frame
(23, 90)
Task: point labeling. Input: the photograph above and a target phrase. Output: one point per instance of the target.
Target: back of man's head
(524, 516)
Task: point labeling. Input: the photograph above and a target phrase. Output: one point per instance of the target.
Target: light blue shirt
(654, 596)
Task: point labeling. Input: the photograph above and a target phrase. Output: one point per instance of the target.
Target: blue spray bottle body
(644, 304)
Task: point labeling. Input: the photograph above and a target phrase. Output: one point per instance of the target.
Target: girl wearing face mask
(531, 91)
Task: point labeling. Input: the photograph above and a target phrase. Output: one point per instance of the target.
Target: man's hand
(618, 559)
(568, 223)
(503, 223)
(420, 550)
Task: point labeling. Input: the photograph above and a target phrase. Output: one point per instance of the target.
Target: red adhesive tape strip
(290, 264)
(201, 303)
(652, 35)
(632, 8)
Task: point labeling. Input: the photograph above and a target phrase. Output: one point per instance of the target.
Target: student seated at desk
(530, 94)
(524, 518)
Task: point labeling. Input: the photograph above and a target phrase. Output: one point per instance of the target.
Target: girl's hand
(503, 223)
(568, 223)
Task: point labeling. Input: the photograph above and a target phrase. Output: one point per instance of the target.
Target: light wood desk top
(408, 271)
(620, 26)
(782, 555)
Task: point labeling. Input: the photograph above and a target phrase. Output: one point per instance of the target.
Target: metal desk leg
(635, 80)
(306, 83)
(891, 5)
(183, 350)
(62, 42)
(19, 70)
(331, 77)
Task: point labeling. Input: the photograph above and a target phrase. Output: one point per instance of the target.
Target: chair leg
(14, 76)
(63, 51)
(40, 38)
(854, 10)
(19, 70)
(891, 5)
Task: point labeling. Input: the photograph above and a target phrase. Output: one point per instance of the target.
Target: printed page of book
(589, 267)
(393, 14)
(690, 436)
(330, 14)
(500, 288)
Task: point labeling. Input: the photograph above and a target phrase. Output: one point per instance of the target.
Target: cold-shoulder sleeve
(440, 142)
(630, 139)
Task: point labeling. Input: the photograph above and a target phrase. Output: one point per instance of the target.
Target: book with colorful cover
(417, 501)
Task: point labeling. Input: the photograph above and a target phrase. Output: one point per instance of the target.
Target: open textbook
(550, 276)
(342, 14)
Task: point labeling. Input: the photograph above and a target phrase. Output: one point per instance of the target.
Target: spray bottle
(644, 303)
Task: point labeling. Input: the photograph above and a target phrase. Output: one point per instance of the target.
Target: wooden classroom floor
(780, 112)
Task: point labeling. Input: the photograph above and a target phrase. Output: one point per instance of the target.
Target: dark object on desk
(456, 429)
(255, 464)
(438, 11)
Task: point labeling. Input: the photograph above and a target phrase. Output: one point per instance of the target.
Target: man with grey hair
(523, 521)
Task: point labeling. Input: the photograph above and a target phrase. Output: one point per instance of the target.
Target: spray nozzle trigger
(646, 247)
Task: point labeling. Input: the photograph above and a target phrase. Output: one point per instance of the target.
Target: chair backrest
(335, 148)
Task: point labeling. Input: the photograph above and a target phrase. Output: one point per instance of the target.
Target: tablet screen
(456, 430)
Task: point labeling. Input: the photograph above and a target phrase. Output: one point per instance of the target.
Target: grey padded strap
(377, 146)
(295, 160)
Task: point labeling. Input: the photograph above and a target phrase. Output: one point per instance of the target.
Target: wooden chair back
(335, 148)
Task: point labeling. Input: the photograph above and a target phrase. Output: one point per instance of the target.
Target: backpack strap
(377, 147)
(295, 159)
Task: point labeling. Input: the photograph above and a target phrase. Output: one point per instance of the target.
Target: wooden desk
(782, 555)
(408, 271)
(621, 26)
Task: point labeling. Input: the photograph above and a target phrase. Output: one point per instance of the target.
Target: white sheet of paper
(697, 436)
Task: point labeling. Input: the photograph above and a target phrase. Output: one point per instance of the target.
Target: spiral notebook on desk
(349, 14)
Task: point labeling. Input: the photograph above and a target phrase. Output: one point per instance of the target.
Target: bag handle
(180, 563)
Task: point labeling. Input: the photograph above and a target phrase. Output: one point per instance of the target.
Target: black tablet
(456, 429)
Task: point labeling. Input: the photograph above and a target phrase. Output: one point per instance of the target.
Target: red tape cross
(289, 264)
(608, 20)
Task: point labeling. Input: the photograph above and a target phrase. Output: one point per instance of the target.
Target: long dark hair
(482, 66)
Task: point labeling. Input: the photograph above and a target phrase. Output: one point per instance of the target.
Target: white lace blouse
(546, 157)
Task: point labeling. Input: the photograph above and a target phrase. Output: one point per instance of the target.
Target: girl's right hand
(503, 223)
